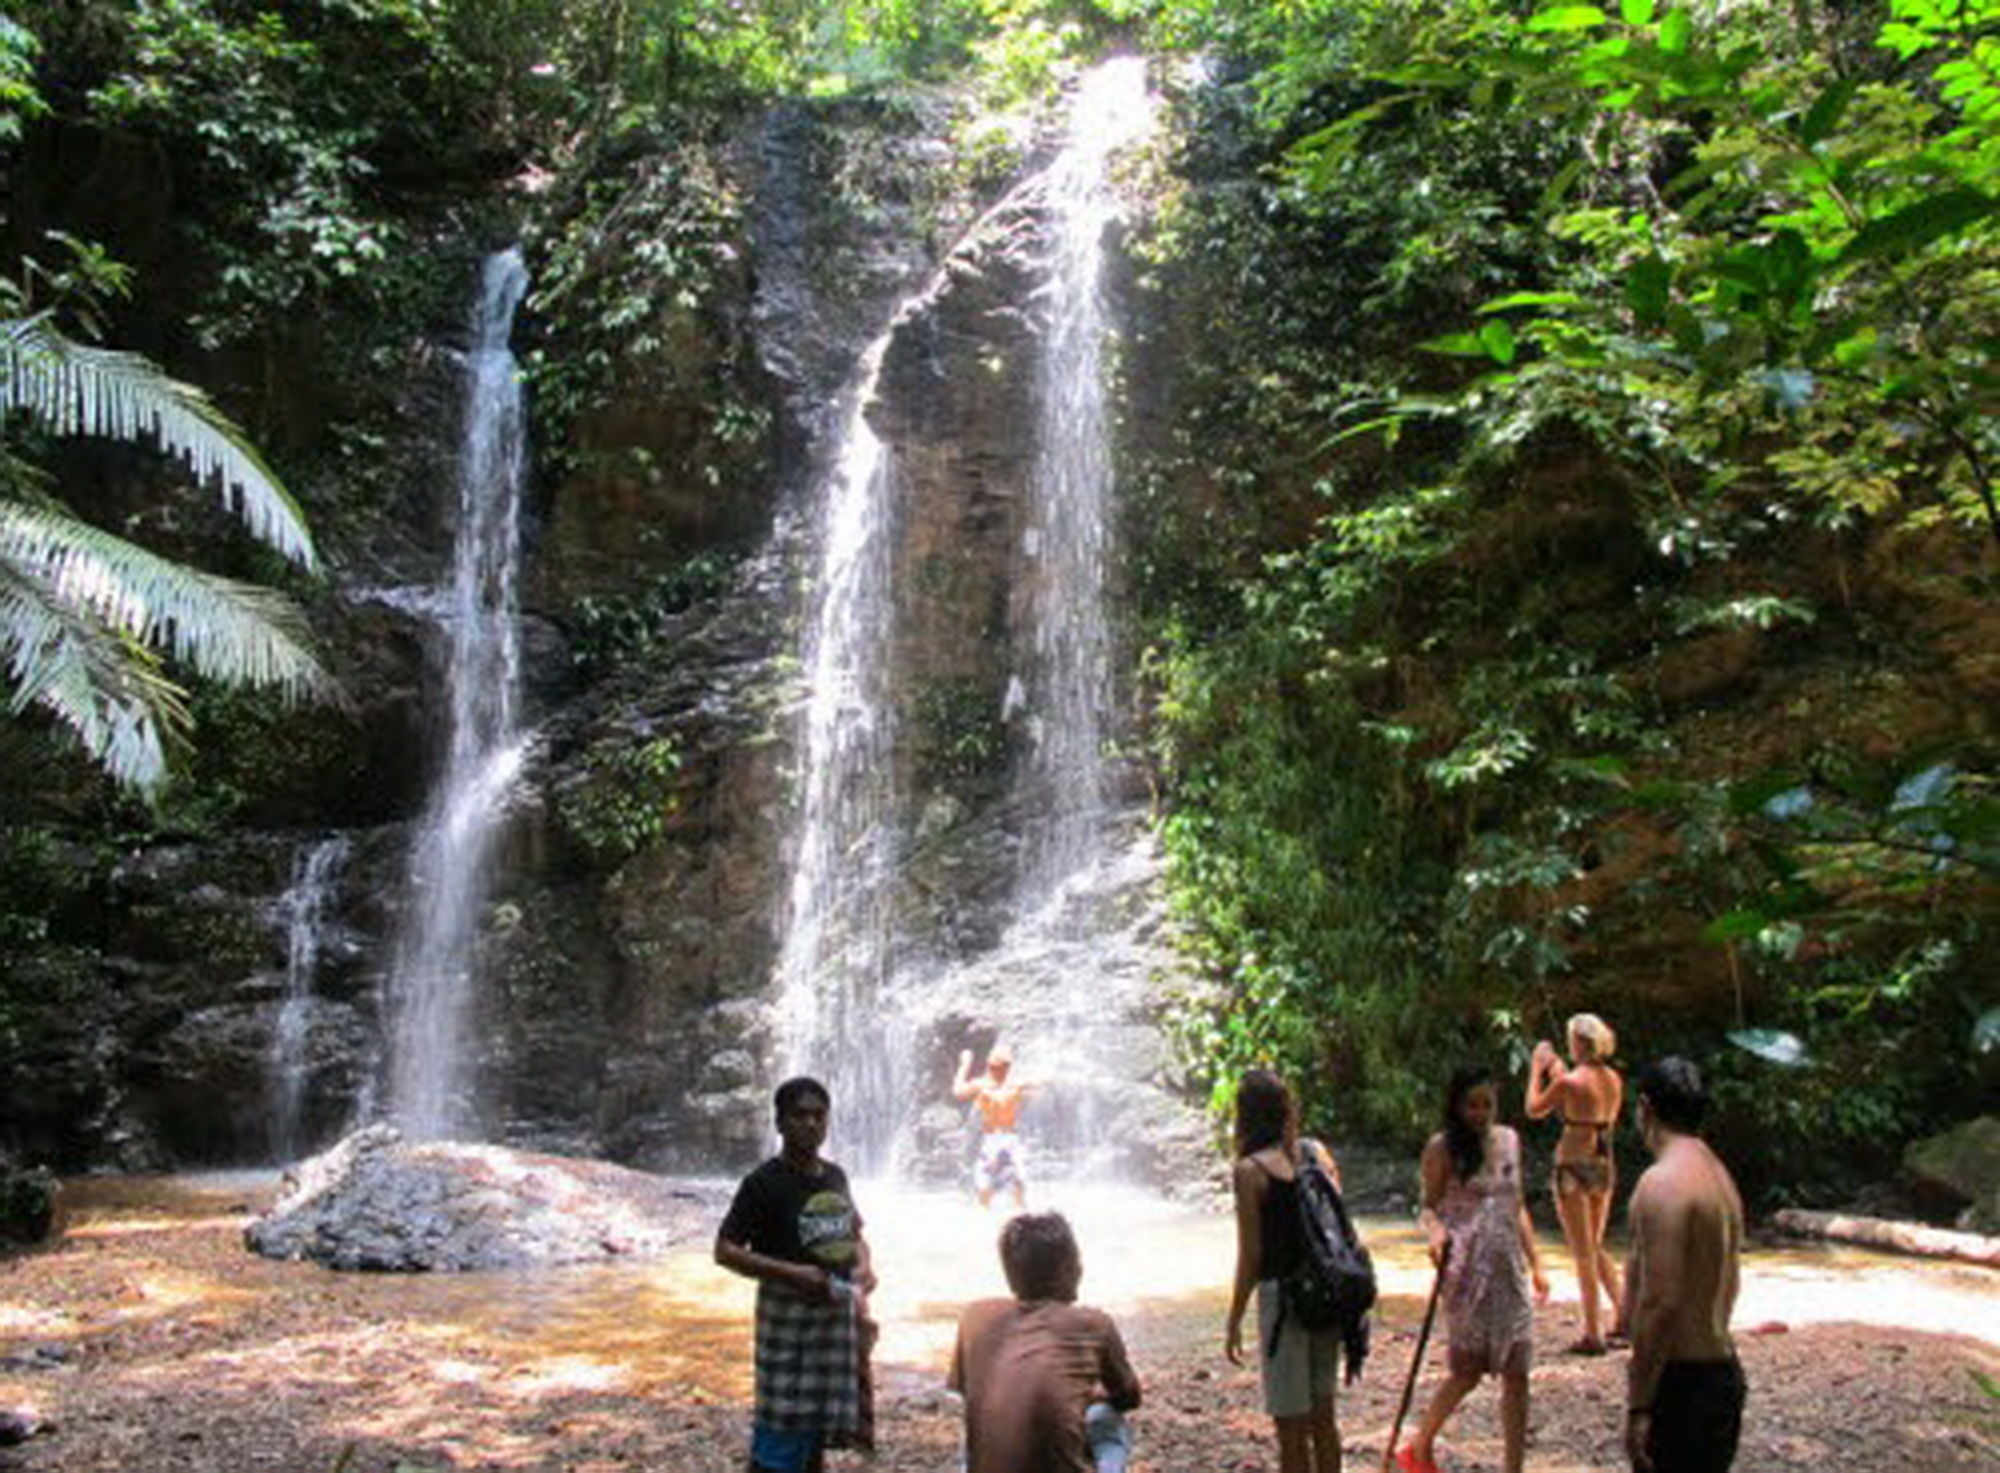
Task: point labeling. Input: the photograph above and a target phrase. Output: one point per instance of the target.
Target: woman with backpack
(1484, 1245)
(1297, 1364)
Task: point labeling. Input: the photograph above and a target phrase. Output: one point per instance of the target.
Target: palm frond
(100, 391)
(107, 691)
(234, 632)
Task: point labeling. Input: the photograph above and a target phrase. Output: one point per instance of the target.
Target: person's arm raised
(1545, 1081)
(963, 1086)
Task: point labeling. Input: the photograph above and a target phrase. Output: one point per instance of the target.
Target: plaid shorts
(808, 1363)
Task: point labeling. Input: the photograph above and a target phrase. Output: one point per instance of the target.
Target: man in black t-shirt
(793, 1227)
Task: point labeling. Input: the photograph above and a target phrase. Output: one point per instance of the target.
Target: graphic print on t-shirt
(826, 1230)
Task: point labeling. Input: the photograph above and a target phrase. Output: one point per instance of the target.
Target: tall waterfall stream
(431, 991)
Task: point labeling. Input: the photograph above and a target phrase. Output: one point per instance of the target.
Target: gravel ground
(148, 1339)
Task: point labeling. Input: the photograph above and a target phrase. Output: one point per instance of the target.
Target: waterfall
(303, 908)
(1068, 681)
(832, 969)
(431, 990)
(850, 1010)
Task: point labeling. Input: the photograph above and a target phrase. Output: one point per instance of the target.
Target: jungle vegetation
(1566, 574)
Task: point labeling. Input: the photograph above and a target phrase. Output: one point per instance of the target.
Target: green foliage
(627, 269)
(623, 801)
(31, 882)
(1806, 294)
(959, 735)
(1297, 888)
(19, 98)
(1531, 356)
(85, 616)
(613, 628)
(280, 123)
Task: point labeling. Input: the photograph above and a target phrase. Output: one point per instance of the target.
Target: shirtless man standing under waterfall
(999, 1100)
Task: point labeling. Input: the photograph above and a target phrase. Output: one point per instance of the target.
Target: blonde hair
(1595, 1036)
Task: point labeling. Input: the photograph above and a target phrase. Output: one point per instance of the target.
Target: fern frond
(99, 391)
(237, 633)
(108, 692)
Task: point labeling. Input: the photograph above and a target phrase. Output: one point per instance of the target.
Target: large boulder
(1960, 1170)
(376, 1201)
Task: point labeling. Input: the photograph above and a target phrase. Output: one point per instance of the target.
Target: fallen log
(1898, 1237)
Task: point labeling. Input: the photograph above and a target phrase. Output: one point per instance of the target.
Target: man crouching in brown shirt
(1044, 1378)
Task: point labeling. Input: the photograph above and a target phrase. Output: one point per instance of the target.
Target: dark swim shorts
(1697, 1416)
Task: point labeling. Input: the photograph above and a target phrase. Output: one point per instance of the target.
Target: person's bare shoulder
(1645, 1191)
(1098, 1321)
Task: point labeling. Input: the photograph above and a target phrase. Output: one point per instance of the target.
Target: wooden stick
(1417, 1360)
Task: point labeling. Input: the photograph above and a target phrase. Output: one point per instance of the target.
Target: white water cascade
(833, 966)
(432, 988)
(1069, 682)
(303, 907)
(850, 1009)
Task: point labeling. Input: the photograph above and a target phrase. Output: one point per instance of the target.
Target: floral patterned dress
(1487, 1300)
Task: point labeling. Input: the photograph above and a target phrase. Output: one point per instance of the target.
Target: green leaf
(1498, 339)
(1972, 820)
(1825, 114)
(1529, 299)
(1921, 224)
(1662, 792)
(78, 390)
(1689, 334)
(1646, 290)
(1567, 18)
(1428, 74)
(1559, 187)
(1603, 767)
(1675, 33)
(1771, 1044)
(1852, 352)
(1636, 12)
(1457, 344)
(1735, 925)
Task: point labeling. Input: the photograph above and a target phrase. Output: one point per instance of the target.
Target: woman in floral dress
(1480, 1236)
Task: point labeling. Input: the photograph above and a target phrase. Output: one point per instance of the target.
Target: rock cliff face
(629, 945)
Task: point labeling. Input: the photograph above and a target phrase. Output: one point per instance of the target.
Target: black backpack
(1332, 1287)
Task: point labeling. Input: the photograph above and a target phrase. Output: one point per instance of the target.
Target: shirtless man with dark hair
(1685, 1390)
(999, 1100)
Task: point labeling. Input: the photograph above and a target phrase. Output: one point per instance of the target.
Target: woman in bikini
(1587, 1094)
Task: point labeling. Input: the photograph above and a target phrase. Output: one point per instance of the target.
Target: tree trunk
(1898, 1237)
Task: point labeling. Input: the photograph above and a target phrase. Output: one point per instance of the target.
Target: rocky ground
(149, 1339)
